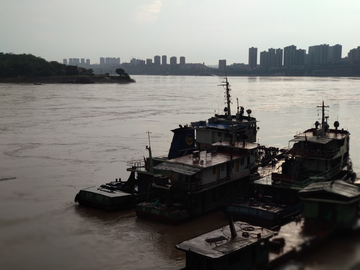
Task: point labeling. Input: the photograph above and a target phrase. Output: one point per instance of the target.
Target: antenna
(323, 117)
(150, 154)
(228, 96)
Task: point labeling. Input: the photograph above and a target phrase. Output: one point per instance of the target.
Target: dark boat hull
(106, 200)
(195, 205)
(263, 214)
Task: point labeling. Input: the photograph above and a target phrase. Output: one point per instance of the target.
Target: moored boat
(217, 171)
(318, 154)
(331, 208)
(201, 182)
(236, 246)
(117, 194)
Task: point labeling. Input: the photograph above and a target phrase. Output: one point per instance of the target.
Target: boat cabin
(336, 202)
(235, 246)
(224, 162)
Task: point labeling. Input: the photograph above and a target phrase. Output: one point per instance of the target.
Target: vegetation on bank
(30, 68)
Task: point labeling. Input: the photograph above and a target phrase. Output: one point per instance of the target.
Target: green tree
(120, 71)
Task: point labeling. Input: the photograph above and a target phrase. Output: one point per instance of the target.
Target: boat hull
(195, 205)
(266, 215)
(105, 200)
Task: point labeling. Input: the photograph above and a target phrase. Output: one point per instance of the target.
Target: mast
(228, 101)
(150, 154)
(323, 114)
(228, 98)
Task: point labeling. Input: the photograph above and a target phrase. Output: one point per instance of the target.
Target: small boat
(217, 171)
(236, 246)
(115, 195)
(318, 154)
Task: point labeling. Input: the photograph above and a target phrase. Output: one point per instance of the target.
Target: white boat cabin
(206, 169)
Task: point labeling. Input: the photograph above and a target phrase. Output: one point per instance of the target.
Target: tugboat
(316, 155)
(213, 174)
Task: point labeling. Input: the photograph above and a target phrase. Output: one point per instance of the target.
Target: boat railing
(308, 153)
(324, 176)
(142, 164)
(136, 164)
(160, 180)
(197, 186)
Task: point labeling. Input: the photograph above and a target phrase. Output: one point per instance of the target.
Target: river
(59, 138)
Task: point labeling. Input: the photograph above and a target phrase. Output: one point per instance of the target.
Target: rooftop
(218, 243)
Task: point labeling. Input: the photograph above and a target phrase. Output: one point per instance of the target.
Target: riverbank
(67, 79)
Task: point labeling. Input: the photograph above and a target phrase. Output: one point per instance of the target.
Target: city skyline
(202, 31)
(273, 58)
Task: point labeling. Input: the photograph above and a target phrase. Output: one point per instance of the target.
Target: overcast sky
(203, 31)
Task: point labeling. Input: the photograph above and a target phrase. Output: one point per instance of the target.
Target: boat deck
(312, 136)
(218, 243)
(297, 237)
(106, 192)
(212, 159)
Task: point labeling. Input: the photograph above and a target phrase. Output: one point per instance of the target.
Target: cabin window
(222, 167)
(237, 165)
(214, 170)
(242, 161)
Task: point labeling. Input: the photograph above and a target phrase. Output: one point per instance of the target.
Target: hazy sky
(201, 30)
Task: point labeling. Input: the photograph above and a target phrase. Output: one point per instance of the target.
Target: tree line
(28, 65)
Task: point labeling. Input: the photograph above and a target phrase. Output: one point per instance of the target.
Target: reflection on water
(58, 139)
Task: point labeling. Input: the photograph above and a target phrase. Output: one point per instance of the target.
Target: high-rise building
(149, 61)
(354, 55)
(163, 58)
(65, 61)
(88, 62)
(252, 57)
(157, 60)
(299, 60)
(278, 58)
(319, 54)
(76, 61)
(271, 58)
(289, 56)
(264, 60)
(102, 61)
(335, 54)
(173, 61)
(182, 60)
(222, 64)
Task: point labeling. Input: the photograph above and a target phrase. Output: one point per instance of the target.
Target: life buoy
(202, 145)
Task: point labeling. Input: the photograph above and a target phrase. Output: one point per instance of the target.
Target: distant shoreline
(67, 80)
